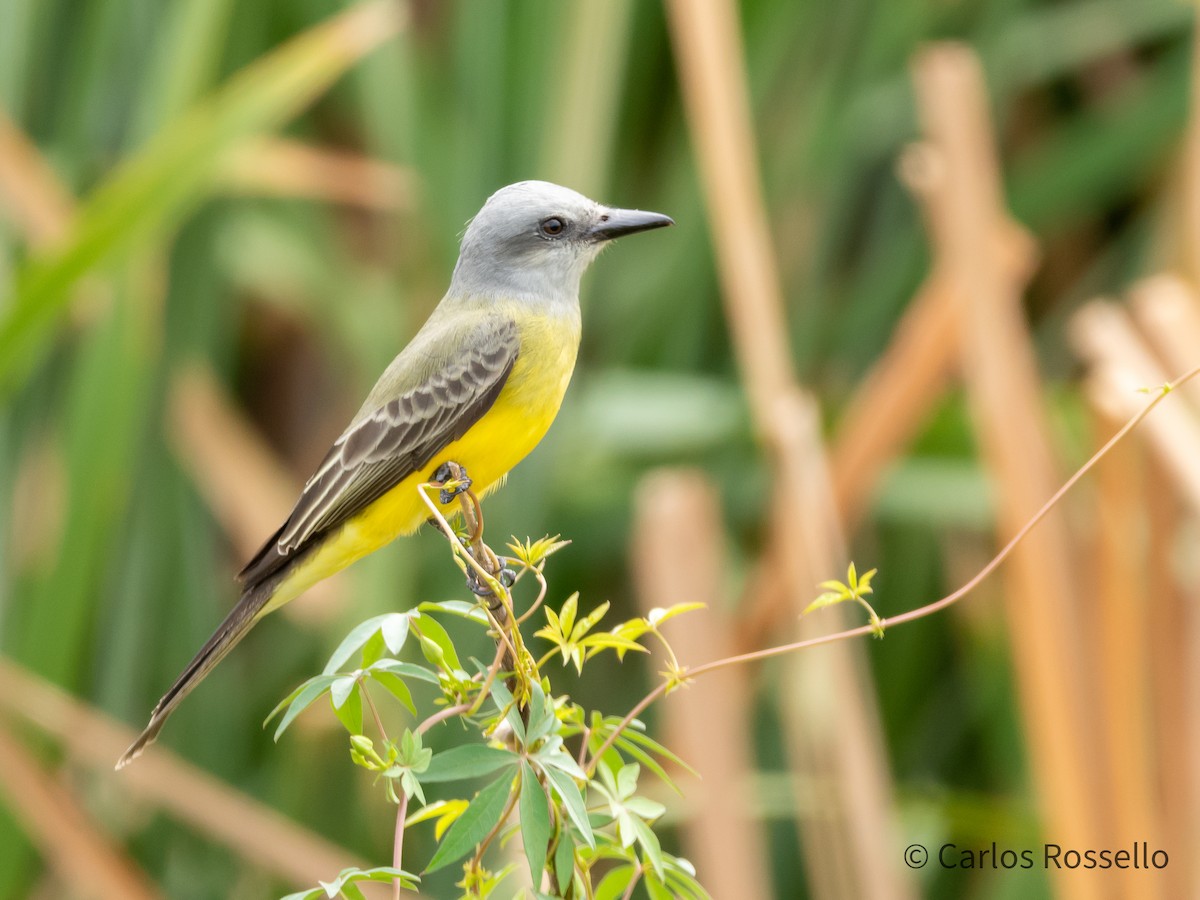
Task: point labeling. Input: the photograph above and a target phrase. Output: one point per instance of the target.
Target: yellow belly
(502, 437)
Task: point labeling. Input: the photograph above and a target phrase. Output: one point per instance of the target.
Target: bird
(478, 385)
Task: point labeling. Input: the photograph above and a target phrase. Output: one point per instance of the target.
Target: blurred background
(874, 335)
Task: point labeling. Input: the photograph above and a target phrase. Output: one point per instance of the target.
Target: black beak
(616, 223)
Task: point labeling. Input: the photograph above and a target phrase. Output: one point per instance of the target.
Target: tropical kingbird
(478, 385)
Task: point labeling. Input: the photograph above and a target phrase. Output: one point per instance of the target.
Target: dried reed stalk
(905, 385)
(830, 712)
(1004, 393)
(251, 830)
(1174, 634)
(1123, 643)
(707, 41)
(1124, 366)
(1187, 234)
(68, 840)
(1174, 624)
(709, 723)
(278, 167)
(585, 106)
(710, 60)
(1167, 311)
(245, 485)
(32, 194)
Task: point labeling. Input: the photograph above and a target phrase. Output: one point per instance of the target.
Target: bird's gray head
(534, 240)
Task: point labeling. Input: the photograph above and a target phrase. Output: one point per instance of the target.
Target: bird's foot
(479, 588)
(454, 477)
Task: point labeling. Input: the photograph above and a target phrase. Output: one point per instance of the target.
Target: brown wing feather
(384, 447)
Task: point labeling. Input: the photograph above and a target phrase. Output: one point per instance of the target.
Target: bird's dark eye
(553, 226)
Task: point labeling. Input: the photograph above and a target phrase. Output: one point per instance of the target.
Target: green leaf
(473, 825)
(655, 887)
(384, 873)
(395, 686)
(560, 759)
(644, 807)
(467, 761)
(829, 598)
(637, 735)
(658, 615)
(507, 707)
(566, 613)
(358, 636)
(629, 631)
(864, 581)
(152, 191)
(535, 822)
(555, 625)
(615, 883)
(395, 631)
(341, 689)
(460, 608)
(541, 714)
(350, 713)
(585, 624)
(649, 843)
(413, 754)
(627, 780)
(568, 792)
(373, 650)
(299, 700)
(533, 552)
(681, 879)
(564, 859)
(646, 760)
(404, 670)
(607, 640)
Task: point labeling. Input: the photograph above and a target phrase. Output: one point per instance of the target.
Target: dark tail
(239, 621)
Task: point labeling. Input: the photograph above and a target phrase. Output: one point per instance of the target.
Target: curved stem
(543, 587)
(442, 715)
(913, 614)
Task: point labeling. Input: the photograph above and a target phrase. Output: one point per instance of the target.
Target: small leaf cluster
(532, 769)
(856, 588)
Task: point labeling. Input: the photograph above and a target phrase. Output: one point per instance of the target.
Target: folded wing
(393, 441)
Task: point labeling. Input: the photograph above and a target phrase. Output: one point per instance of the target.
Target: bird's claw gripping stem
(454, 477)
(505, 576)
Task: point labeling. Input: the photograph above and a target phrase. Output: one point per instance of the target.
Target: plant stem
(448, 713)
(491, 835)
(632, 883)
(913, 614)
(543, 587)
(374, 712)
(492, 671)
(398, 841)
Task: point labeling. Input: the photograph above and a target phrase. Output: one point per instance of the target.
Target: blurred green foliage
(134, 101)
